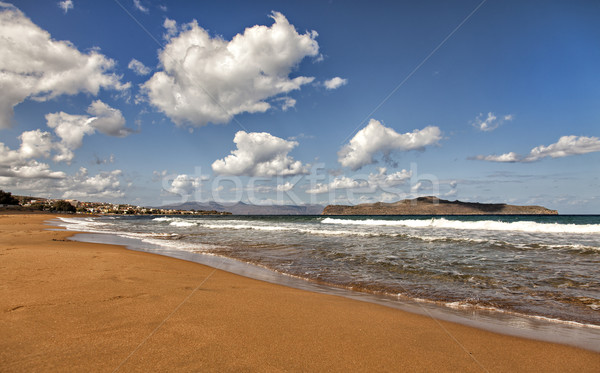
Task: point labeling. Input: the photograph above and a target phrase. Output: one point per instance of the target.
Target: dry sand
(71, 306)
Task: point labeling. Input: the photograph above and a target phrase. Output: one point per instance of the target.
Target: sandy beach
(72, 306)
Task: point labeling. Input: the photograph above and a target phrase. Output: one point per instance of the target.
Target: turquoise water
(542, 266)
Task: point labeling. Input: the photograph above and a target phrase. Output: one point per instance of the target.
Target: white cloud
(335, 83)
(184, 185)
(103, 185)
(34, 66)
(417, 187)
(65, 5)
(170, 27)
(138, 67)
(319, 188)
(286, 187)
(376, 138)
(346, 183)
(379, 180)
(491, 122)
(565, 146)
(208, 79)
(72, 128)
(23, 163)
(287, 102)
(506, 157)
(138, 5)
(259, 154)
(37, 178)
(35, 144)
(19, 164)
(108, 120)
(383, 179)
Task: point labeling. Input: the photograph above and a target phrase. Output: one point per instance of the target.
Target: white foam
(520, 226)
(163, 218)
(275, 228)
(181, 223)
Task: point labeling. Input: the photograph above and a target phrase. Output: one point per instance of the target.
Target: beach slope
(71, 306)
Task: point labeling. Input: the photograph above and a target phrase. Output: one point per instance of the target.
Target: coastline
(74, 305)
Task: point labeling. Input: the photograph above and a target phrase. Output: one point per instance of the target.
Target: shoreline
(74, 305)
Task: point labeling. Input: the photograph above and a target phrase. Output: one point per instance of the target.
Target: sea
(532, 275)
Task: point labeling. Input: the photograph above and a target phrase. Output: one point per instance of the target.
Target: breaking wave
(490, 225)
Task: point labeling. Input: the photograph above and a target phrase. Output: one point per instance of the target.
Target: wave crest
(490, 225)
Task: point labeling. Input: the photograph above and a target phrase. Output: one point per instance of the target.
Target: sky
(298, 102)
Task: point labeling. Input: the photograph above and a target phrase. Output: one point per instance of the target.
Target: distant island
(435, 206)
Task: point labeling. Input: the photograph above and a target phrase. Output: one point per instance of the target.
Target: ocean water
(545, 267)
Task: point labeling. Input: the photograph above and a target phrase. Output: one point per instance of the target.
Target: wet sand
(76, 306)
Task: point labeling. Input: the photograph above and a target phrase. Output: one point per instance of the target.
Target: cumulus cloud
(491, 122)
(207, 79)
(35, 144)
(35, 66)
(565, 146)
(375, 138)
(138, 67)
(319, 188)
(72, 128)
(335, 83)
(381, 179)
(260, 154)
(14, 174)
(108, 120)
(20, 172)
(21, 163)
(342, 182)
(104, 185)
(65, 5)
(184, 185)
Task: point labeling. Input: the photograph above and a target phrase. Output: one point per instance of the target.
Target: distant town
(27, 203)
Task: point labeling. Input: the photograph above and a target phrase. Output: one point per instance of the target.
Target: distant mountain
(435, 206)
(241, 208)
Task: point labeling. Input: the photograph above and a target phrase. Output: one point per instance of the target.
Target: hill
(435, 206)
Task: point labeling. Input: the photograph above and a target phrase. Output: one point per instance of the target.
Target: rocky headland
(435, 206)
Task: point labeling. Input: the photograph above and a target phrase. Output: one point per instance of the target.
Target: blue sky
(153, 102)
